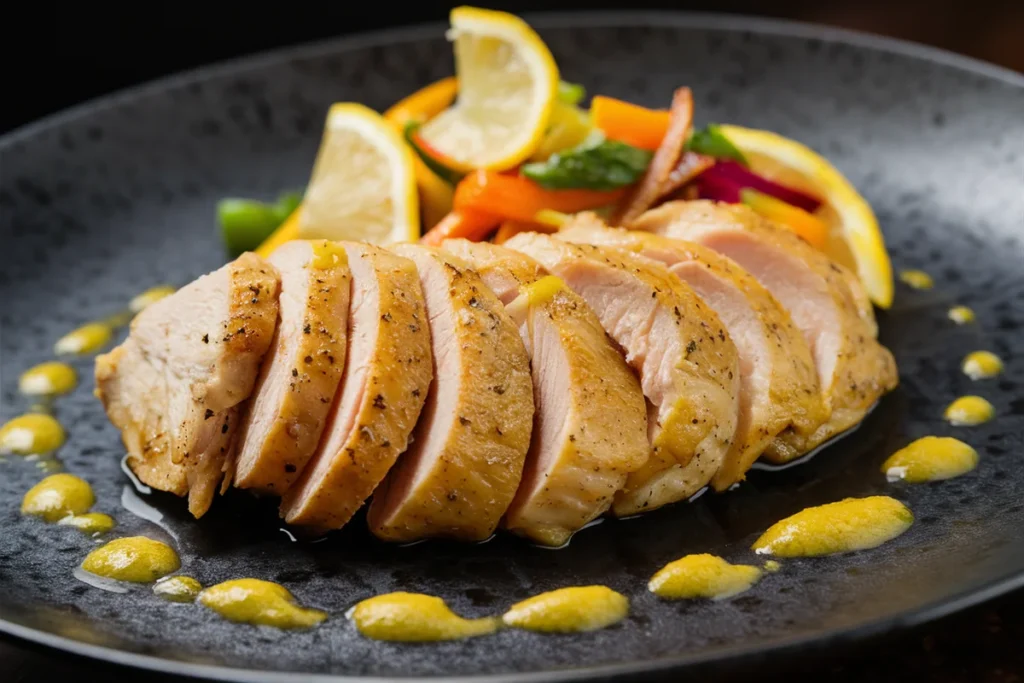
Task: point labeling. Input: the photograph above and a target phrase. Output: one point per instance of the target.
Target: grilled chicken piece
(384, 384)
(687, 363)
(778, 383)
(462, 471)
(300, 375)
(825, 300)
(590, 425)
(174, 386)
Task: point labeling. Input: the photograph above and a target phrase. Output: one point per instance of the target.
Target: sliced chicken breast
(462, 471)
(825, 301)
(687, 364)
(384, 385)
(300, 375)
(173, 388)
(778, 382)
(590, 425)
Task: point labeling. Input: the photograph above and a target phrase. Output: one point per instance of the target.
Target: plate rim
(544, 20)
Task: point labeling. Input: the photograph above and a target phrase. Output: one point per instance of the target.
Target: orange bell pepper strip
(629, 123)
(804, 224)
(286, 232)
(465, 223)
(519, 198)
(425, 103)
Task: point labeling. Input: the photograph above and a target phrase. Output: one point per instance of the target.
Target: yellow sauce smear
(702, 576)
(178, 588)
(48, 379)
(569, 610)
(918, 279)
(263, 603)
(772, 566)
(91, 523)
(982, 365)
(961, 315)
(327, 254)
(86, 339)
(58, 496)
(149, 297)
(415, 618)
(968, 411)
(931, 458)
(34, 433)
(544, 289)
(851, 524)
(136, 559)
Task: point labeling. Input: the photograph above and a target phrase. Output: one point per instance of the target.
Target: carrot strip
(518, 198)
(650, 188)
(804, 224)
(629, 123)
(472, 225)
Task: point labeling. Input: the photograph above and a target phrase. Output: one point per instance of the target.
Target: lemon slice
(855, 239)
(363, 185)
(508, 81)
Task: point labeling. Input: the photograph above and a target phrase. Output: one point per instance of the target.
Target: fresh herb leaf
(286, 204)
(439, 169)
(711, 141)
(596, 164)
(570, 93)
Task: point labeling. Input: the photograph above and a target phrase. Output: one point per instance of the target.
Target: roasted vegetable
(711, 142)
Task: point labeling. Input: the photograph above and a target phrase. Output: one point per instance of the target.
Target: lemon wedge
(508, 82)
(363, 185)
(855, 239)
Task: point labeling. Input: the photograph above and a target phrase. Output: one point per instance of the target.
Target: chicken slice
(590, 425)
(384, 384)
(174, 386)
(778, 383)
(461, 473)
(825, 301)
(686, 362)
(300, 375)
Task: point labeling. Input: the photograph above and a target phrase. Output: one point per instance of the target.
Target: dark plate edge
(711, 21)
(697, 20)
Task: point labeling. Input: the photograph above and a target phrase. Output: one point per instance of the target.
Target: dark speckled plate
(109, 199)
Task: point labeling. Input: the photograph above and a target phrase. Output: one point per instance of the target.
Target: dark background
(56, 55)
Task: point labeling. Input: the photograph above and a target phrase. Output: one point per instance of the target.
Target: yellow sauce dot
(413, 617)
(178, 588)
(328, 254)
(136, 559)
(48, 379)
(34, 433)
(931, 458)
(961, 315)
(86, 339)
(90, 523)
(968, 411)
(569, 610)
(150, 296)
(772, 566)
(58, 496)
(851, 524)
(544, 289)
(982, 365)
(918, 279)
(702, 576)
(263, 603)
